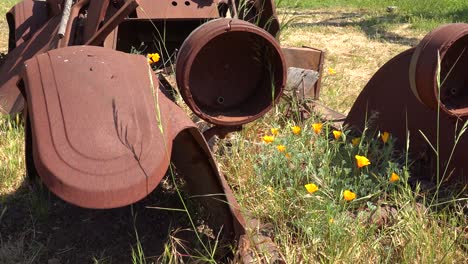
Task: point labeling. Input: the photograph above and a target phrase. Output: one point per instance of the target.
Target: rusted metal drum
(451, 43)
(230, 72)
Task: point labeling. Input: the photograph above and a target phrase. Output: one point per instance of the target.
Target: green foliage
(322, 226)
(423, 15)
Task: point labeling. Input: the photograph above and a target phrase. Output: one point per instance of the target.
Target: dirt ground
(356, 43)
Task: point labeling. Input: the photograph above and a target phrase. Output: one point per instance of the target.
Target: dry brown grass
(353, 48)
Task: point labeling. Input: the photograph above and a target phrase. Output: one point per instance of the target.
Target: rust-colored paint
(237, 87)
(390, 105)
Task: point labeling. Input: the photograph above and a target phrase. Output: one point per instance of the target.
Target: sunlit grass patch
(12, 162)
(336, 196)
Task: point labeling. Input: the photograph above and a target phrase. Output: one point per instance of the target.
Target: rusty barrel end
(450, 44)
(230, 72)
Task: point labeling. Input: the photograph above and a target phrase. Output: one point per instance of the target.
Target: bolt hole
(220, 100)
(187, 3)
(174, 3)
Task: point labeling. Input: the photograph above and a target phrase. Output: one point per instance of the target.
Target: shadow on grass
(376, 25)
(38, 227)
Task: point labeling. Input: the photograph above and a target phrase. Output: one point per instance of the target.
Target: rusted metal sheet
(96, 14)
(177, 9)
(100, 36)
(123, 158)
(43, 40)
(24, 19)
(390, 105)
(140, 131)
(309, 59)
(235, 88)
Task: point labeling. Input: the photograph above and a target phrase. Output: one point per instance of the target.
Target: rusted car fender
(104, 137)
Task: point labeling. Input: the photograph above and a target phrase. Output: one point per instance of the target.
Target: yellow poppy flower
(153, 58)
(361, 161)
(296, 130)
(281, 148)
(311, 188)
(385, 135)
(355, 141)
(349, 195)
(331, 71)
(287, 155)
(394, 177)
(268, 139)
(270, 190)
(274, 131)
(317, 127)
(331, 221)
(337, 134)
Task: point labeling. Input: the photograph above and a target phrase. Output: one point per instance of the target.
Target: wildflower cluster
(347, 168)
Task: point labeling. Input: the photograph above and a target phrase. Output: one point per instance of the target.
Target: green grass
(423, 15)
(388, 222)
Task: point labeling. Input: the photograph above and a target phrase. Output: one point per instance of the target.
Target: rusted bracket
(99, 37)
(96, 14)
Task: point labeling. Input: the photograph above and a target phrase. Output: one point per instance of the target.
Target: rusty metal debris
(402, 98)
(99, 131)
(239, 86)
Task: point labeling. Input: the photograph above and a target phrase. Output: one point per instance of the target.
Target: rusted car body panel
(391, 104)
(140, 132)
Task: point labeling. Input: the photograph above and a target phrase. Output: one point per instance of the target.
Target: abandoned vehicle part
(390, 105)
(44, 39)
(450, 42)
(230, 72)
(123, 159)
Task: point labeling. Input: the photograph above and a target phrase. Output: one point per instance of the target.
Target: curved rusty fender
(104, 135)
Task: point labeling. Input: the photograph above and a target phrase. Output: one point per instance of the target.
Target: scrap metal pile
(101, 132)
